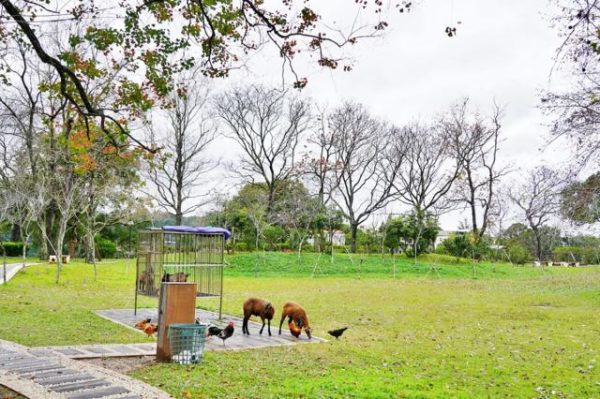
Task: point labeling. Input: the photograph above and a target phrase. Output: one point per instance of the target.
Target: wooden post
(176, 304)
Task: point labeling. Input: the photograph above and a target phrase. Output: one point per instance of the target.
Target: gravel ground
(123, 365)
(6, 393)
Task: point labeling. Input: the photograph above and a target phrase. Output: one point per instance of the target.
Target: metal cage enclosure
(170, 256)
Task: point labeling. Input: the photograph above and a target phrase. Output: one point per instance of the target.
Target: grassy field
(448, 331)
(274, 264)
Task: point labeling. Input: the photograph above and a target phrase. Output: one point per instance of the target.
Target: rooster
(294, 329)
(337, 333)
(140, 325)
(212, 330)
(150, 329)
(226, 332)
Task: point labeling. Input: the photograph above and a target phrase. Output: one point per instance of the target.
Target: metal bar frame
(196, 253)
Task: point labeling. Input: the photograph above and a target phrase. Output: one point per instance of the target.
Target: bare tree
(177, 175)
(21, 103)
(18, 211)
(5, 206)
(576, 110)
(475, 143)
(297, 210)
(367, 163)
(427, 175)
(109, 192)
(65, 188)
(318, 164)
(254, 204)
(429, 171)
(538, 198)
(267, 124)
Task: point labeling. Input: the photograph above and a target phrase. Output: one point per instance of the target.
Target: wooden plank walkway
(54, 376)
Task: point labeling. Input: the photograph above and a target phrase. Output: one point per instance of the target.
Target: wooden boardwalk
(237, 342)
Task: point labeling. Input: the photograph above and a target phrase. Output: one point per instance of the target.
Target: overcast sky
(503, 50)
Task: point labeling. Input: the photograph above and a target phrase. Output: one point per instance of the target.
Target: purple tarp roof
(201, 230)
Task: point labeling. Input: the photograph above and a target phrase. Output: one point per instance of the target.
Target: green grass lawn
(455, 331)
(274, 264)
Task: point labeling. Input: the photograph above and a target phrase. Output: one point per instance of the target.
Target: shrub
(106, 248)
(465, 246)
(272, 235)
(283, 247)
(518, 254)
(12, 248)
(242, 246)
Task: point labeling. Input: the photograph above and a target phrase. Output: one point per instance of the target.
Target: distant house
(338, 238)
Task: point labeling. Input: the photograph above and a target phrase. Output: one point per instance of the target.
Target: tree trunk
(300, 249)
(24, 239)
(72, 247)
(538, 245)
(50, 217)
(60, 240)
(58, 251)
(270, 201)
(15, 234)
(94, 259)
(90, 249)
(256, 262)
(43, 251)
(472, 201)
(24, 254)
(353, 236)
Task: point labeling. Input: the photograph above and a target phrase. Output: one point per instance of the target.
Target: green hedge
(12, 248)
(106, 248)
(518, 254)
(465, 246)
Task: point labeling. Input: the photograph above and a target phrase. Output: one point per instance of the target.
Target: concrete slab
(68, 351)
(66, 379)
(79, 386)
(51, 374)
(127, 318)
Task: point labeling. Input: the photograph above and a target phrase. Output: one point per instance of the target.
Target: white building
(338, 238)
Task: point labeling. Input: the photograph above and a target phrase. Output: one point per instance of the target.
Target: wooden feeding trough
(181, 254)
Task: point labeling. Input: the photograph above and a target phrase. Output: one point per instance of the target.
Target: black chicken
(226, 332)
(337, 333)
(212, 330)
